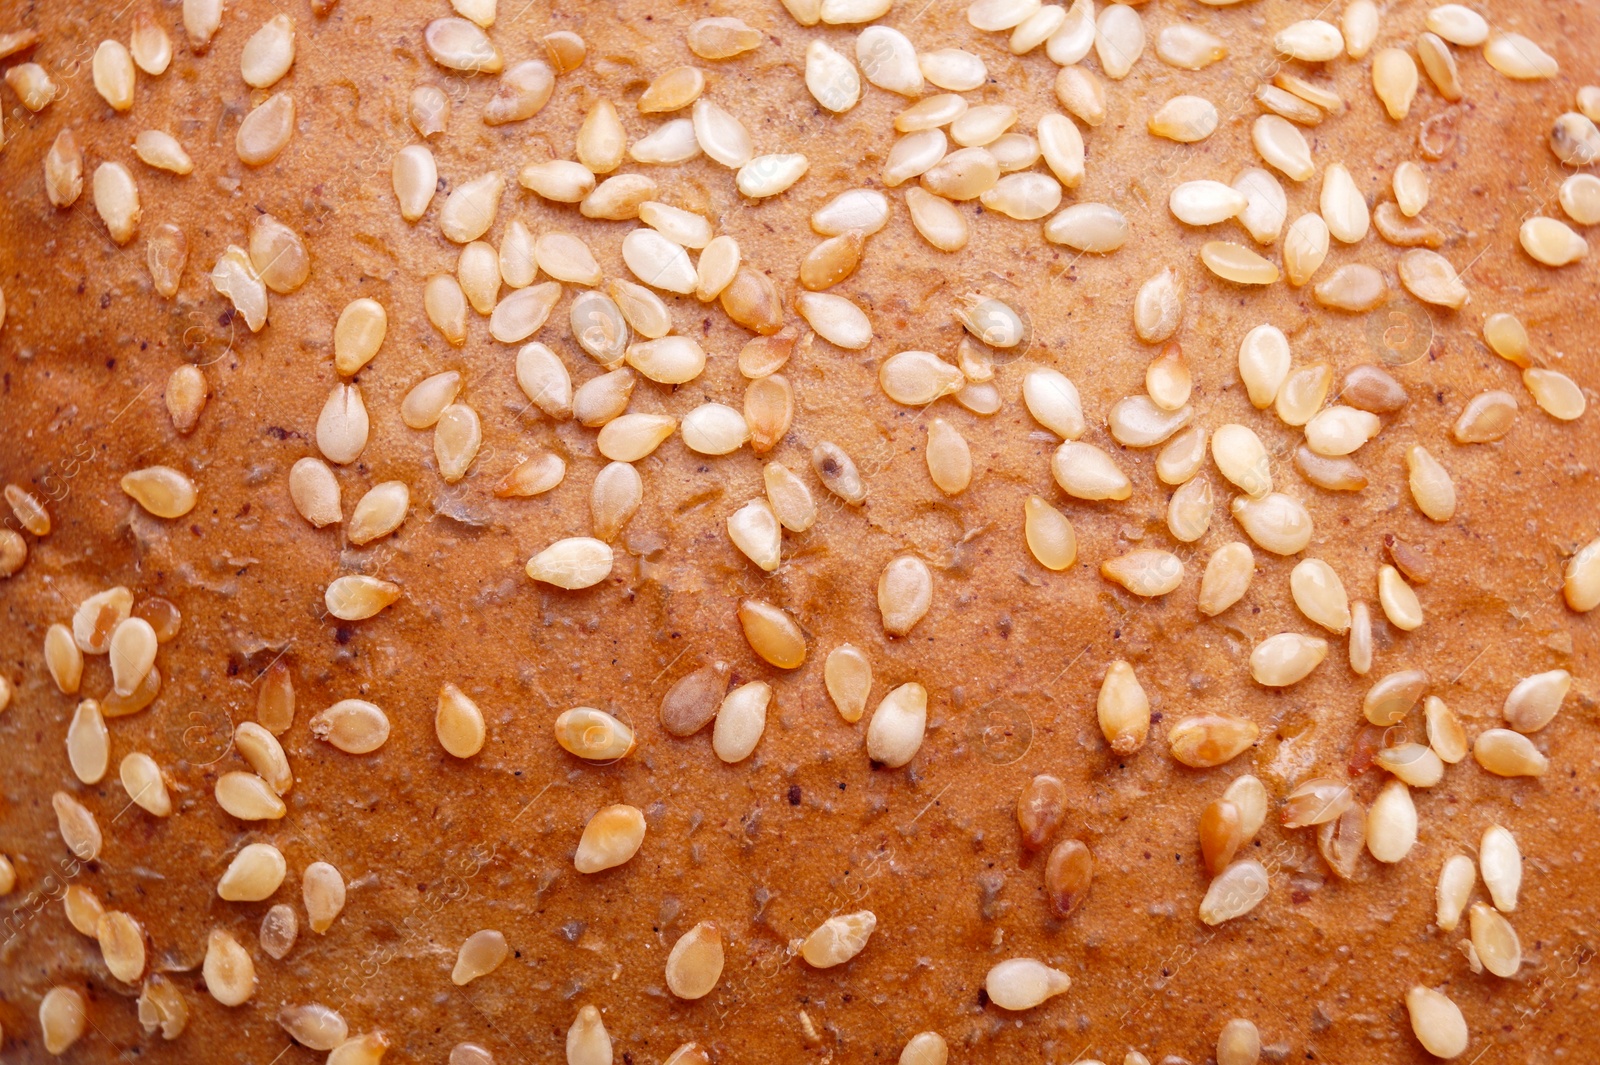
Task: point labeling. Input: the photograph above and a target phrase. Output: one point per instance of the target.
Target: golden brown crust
(1012, 655)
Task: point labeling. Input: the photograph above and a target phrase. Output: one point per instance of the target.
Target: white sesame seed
(838, 939)
(1234, 892)
(266, 130)
(574, 563)
(228, 971)
(353, 726)
(1023, 983)
(1518, 58)
(1118, 39)
(694, 965)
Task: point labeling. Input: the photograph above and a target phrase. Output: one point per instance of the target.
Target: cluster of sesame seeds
(989, 164)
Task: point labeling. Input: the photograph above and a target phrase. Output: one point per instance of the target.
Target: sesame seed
(279, 929)
(1534, 702)
(574, 563)
(161, 1006)
(1041, 805)
(694, 965)
(354, 726)
(1436, 1021)
(925, 1048)
(898, 725)
(616, 495)
(588, 1042)
(145, 784)
(63, 169)
(322, 891)
(1234, 892)
(755, 531)
(1500, 860)
(63, 1018)
(1518, 58)
(1049, 534)
(458, 722)
(253, 874)
(1239, 1043)
(838, 939)
(1226, 578)
(1207, 740)
(1123, 709)
(479, 955)
(269, 53)
(228, 971)
(1286, 658)
(150, 47)
(1495, 940)
(593, 734)
(428, 109)
(691, 703)
(1509, 754)
(457, 44)
(1581, 578)
(313, 1025)
(1023, 983)
(63, 659)
(365, 1049)
(1085, 471)
(1552, 242)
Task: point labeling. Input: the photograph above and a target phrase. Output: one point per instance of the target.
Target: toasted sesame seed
(1392, 823)
(1184, 119)
(1440, 66)
(1437, 1023)
(314, 1026)
(1023, 983)
(354, 726)
(601, 142)
(1500, 860)
(1302, 395)
(116, 200)
(1234, 892)
(905, 593)
(63, 1017)
(691, 703)
(115, 705)
(588, 1042)
(949, 458)
(248, 797)
(367, 1049)
(1315, 802)
(1414, 763)
(1552, 242)
(32, 85)
(618, 197)
(694, 965)
(261, 749)
(1041, 805)
(616, 495)
(82, 908)
(1067, 876)
(1207, 740)
(228, 971)
(838, 939)
(838, 473)
(161, 1006)
(322, 891)
(1389, 700)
